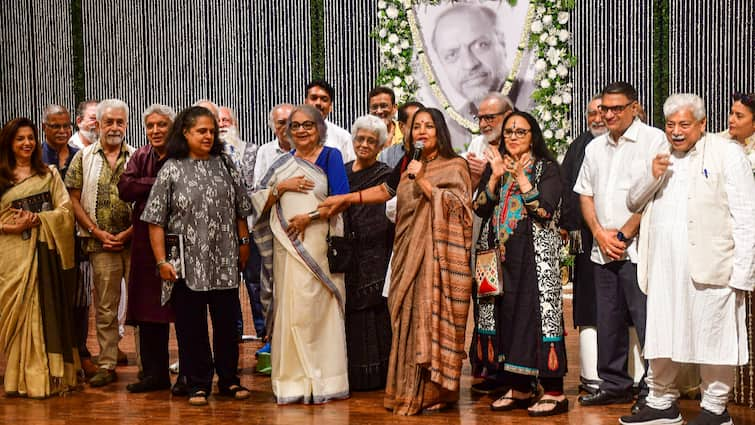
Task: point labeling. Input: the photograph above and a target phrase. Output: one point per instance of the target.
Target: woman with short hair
(197, 196)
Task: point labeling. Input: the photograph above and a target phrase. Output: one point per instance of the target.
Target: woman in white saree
(303, 300)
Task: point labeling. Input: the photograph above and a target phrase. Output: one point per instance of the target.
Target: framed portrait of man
(471, 49)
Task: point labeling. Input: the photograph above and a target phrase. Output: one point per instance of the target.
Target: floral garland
(546, 34)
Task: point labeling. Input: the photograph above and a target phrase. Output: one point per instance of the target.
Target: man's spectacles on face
(280, 123)
(379, 106)
(57, 127)
(488, 117)
(616, 109)
(306, 125)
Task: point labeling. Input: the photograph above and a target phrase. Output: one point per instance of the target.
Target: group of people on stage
(362, 252)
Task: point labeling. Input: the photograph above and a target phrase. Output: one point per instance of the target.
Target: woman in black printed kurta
(519, 334)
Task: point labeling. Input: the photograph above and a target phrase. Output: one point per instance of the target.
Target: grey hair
(233, 114)
(106, 104)
(270, 119)
(508, 105)
(53, 109)
(677, 102)
(372, 124)
(159, 109)
(215, 112)
(313, 114)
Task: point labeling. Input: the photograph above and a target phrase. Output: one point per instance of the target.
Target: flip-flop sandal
(235, 391)
(198, 398)
(518, 403)
(560, 406)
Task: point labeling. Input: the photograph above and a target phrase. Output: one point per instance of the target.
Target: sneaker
(102, 378)
(264, 350)
(707, 417)
(649, 416)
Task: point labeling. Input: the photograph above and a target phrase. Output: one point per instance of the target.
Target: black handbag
(340, 249)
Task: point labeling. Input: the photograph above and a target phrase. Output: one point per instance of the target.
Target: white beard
(113, 140)
(231, 135)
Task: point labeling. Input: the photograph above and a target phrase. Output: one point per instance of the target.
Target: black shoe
(602, 398)
(707, 417)
(488, 386)
(649, 416)
(639, 405)
(148, 384)
(181, 387)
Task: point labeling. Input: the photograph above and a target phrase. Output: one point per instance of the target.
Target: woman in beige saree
(431, 280)
(36, 269)
(303, 300)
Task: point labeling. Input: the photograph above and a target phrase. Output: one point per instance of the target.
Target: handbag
(488, 273)
(340, 249)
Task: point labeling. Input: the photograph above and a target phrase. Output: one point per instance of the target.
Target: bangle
(161, 262)
(244, 240)
(314, 215)
(360, 197)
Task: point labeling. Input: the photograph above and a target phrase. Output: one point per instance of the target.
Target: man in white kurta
(697, 243)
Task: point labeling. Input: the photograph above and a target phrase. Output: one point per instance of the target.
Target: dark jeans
(195, 354)
(81, 330)
(153, 350)
(617, 296)
(252, 282)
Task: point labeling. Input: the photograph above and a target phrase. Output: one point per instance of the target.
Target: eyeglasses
(306, 125)
(617, 109)
(57, 127)
(371, 141)
(488, 117)
(378, 106)
(515, 133)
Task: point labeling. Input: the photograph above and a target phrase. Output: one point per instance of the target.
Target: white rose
(560, 134)
(396, 50)
(403, 24)
(547, 20)
(540, 10)
(405, 44)
(383, 33)
(399, 92)
(393, 39)
(562, 70)
(543, 37)
(545, 83)
(552, 74)
(392, 12)
(548, 134)
(540, 65)
(546, 116)
(384, 48)
(563, 35)
(396, 81)
(552, 41)
(537, 27)
(566, 97)
(409, 80)
(563, 17)
(382, 4)
(556, 100)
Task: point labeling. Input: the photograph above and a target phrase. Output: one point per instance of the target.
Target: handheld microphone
(417, 155)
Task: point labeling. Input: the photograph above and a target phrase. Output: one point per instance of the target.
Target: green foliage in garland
(77, 32)
(660, 59)
(317, 22)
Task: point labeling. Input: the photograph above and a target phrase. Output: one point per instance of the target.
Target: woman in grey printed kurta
(197, 195)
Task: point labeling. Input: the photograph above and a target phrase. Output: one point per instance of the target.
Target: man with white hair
(580, 242)
(104, 221)
(491, 112)
(280, 145)
(697, 261)
(320, 94)
(229, 134)
(86, 121)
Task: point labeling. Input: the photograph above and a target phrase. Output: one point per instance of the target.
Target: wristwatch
(245, 240)
(620, 236)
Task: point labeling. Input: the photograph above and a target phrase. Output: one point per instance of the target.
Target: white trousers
(717, 382)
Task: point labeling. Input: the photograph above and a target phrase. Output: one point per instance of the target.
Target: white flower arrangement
(546, 35)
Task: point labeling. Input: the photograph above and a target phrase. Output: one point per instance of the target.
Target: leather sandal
(518, 403)
(198, 398)
(560, 406)
(235, 391)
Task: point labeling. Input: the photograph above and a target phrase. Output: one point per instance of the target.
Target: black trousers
(618, 296)
(527, 383)
(195, 354)
(81, 330)
(153, 350)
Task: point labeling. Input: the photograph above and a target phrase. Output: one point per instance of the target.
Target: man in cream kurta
(697, 249)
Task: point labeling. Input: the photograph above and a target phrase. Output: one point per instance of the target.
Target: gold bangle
(160, 263)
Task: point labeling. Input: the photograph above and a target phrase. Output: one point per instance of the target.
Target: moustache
(677, 137)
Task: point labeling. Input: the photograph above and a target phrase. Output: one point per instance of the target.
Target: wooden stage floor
(114, 405)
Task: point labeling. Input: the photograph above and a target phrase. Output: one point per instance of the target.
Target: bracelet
(245, 240)
(161, 262)
(314, 215)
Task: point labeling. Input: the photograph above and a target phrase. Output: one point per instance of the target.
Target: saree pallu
(304, 305)
(431, 284)
(37, 280)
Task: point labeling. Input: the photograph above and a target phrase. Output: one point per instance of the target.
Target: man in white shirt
(697, 261)
(86, 122)
(320, 94)
(603, 183)
(280, 145)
